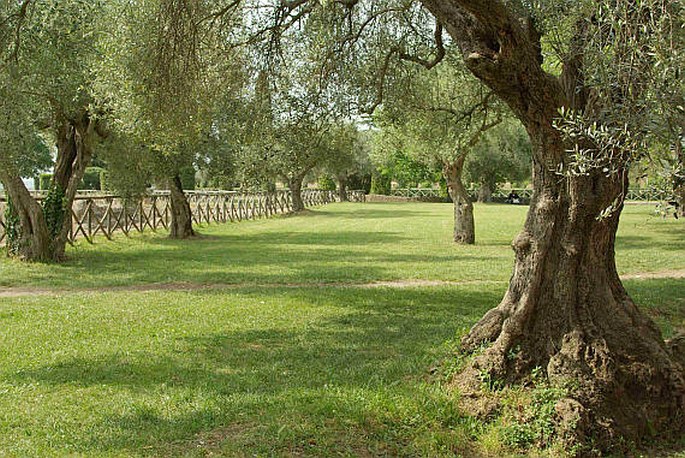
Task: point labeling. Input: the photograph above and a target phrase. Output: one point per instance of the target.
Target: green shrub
(360, 182)
(327, 183)
(187, 175)
(91, 179)
(380, 184)
(44, 181)
(105, 184)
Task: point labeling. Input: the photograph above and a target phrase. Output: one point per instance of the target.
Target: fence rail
(638, 194)
(107, 214)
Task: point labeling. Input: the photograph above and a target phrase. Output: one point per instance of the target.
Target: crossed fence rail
(107, 214)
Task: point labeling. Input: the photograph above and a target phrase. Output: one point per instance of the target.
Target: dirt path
(8, 292)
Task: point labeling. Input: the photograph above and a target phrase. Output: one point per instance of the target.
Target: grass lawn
(279, 363)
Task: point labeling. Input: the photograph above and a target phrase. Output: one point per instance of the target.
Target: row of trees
(155, 85)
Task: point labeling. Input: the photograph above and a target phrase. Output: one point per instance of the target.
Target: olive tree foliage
(503, 155)
(46, 73)
(441, 117)
(391, 158)
(347, 156)
(582, 77)
(161, 76)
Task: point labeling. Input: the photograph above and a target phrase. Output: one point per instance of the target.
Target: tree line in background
(249, 93)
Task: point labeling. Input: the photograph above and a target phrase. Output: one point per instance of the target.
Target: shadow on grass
(349, 382)
(375, 210)
(351, 377)
(278, 257)
(630, 242)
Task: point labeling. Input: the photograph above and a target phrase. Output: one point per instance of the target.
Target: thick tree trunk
(33, 241)
(295, 186)
(181, 216)
(679, 182)
(566, 310)
(484, 193)
(567, 313)
(44, 229)
(342, 189)
(74, 153)
(464, 226)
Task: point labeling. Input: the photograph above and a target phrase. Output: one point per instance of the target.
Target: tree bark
(565, 311)
(342, 189)
(484, 193)
(464, 226)
(295, 186)
(181, 216)
(43, 235)
(74, 154)
(679, 182)
(33, 242)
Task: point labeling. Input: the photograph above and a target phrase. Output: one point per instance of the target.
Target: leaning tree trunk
(27, 234)
(342, 190)
(567, 313)
(43, 235)
(295, 186)
(181, 226)
(464, 226)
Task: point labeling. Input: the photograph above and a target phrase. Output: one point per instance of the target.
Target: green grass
(337, 243)
(273, 370)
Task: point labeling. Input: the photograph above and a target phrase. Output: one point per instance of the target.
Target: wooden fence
(108, 214)
(636, 194)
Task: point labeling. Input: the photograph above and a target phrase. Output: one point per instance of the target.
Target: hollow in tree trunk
(181, 216)
(464, 226)
(295, 186)
(342, 189)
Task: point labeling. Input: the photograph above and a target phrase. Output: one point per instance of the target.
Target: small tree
(502, 155)
(443, 134)
(346, 157)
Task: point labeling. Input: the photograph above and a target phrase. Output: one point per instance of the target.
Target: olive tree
(161, 76)
(577, 75)
(47, 58)
(442, 116)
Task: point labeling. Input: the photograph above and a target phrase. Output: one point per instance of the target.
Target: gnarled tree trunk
(74, 145)
(342, 189)
(464, 226)
(295, 186)
(33, 241)
(565, 310)
(181, 217)
(44, 229)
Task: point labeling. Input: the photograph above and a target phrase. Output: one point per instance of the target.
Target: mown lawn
(279, 364)
(347, 243)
